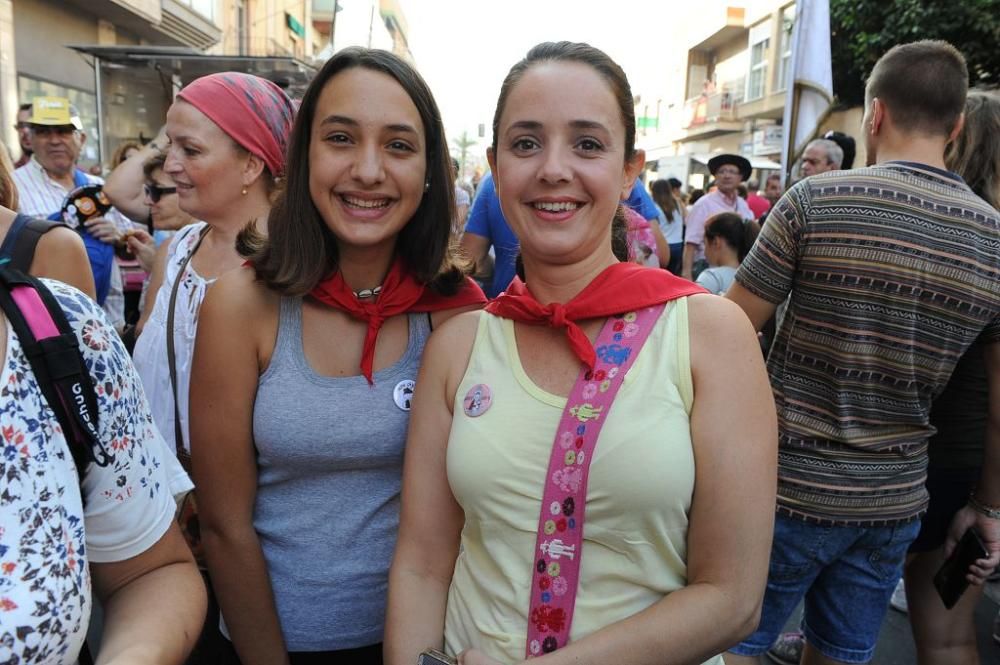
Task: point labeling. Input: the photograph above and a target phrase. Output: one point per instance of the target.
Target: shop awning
(187, 64)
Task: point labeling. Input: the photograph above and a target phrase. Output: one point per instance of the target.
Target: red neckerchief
(401, 293)
(620, 288)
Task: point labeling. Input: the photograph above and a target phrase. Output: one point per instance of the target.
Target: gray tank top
(329, 458)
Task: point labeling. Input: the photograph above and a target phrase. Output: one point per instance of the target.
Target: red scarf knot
(618, 289)
(557, 315)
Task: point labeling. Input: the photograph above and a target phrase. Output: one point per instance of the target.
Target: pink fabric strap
(34, 312)
(559, 544)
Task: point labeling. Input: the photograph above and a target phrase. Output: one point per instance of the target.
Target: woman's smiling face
(559, 166)
(367, 157)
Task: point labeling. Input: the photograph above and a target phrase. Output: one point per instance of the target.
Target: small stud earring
(427, 185)
(243, 191)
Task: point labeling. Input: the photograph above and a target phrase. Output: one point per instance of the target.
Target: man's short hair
(923, 85)
(834, 153)
(774, 176)
(24, 107)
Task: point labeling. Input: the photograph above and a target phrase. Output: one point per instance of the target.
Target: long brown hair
(663, 196)
(8, 190)
(300, 250)
(975, 153)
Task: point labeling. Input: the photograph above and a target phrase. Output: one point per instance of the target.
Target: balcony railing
(707, 108)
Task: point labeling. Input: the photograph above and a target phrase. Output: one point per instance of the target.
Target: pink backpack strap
(559, 544)
(34, 311)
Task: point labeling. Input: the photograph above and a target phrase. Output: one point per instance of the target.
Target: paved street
(895, 646)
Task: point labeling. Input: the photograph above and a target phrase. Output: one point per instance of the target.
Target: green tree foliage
(862, 30)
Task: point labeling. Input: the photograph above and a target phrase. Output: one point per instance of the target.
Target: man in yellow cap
(57, 138)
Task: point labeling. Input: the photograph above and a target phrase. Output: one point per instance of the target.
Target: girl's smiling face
(367, 157)
(559, 166)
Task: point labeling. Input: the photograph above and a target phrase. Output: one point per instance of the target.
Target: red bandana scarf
(620, 288)
(401, 293)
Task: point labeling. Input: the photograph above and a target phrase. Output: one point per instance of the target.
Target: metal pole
(333, 26)
(100, 111)
(371, 21)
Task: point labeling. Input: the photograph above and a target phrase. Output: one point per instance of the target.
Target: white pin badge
(478, 400)
(402, 394)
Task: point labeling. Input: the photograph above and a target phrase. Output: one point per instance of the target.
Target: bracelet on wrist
(992, 512)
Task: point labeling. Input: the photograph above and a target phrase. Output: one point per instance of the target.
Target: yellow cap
(54, 111)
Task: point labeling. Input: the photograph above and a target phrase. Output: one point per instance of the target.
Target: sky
(465, 48)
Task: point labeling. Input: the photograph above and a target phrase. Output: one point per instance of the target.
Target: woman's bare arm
(224, 377)
(124, 185)
(431, 520)
(154, 604)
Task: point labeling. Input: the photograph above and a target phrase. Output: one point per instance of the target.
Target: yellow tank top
(638, 497)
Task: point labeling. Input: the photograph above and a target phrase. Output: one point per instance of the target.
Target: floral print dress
(47, 537)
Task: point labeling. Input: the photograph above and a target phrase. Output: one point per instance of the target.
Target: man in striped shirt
(891, 271)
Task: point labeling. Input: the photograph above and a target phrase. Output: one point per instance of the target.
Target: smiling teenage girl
(305, 367)
(676, 489)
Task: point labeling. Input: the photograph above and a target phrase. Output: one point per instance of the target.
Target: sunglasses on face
(154, 192)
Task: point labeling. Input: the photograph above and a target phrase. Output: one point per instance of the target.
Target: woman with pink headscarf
(226, 136)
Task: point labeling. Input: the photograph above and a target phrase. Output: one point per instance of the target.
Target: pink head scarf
(255, 112)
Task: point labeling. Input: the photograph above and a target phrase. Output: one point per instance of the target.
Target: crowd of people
(346, 412)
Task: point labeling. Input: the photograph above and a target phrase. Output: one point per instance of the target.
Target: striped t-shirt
(892, 272)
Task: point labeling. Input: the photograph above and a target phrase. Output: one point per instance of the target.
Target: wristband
(989, 511)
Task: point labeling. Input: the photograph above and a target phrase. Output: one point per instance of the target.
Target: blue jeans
(847, 575)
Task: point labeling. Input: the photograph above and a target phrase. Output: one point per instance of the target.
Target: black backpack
(53, 351)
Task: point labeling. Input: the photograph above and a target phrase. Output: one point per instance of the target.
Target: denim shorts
(846, 574)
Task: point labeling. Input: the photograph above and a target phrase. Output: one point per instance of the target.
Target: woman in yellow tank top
(680, 498)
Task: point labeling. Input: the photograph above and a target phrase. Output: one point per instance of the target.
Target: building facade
(34, 59)
(734, 73)
(132, 56)
(371, 23)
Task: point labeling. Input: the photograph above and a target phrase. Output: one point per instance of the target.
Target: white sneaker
(898, 600)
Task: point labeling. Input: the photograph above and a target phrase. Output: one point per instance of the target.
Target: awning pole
(100, 111)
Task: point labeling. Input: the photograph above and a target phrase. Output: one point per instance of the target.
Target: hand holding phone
(435, 657)
(950, 580)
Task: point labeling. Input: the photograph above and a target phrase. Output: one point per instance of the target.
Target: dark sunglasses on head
(155, 192)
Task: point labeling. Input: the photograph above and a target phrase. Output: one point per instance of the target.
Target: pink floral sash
(558, 547)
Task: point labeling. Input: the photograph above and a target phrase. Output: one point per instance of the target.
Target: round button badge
(402, 394)
(478, 400)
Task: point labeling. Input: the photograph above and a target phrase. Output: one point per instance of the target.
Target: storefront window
(85, 103)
